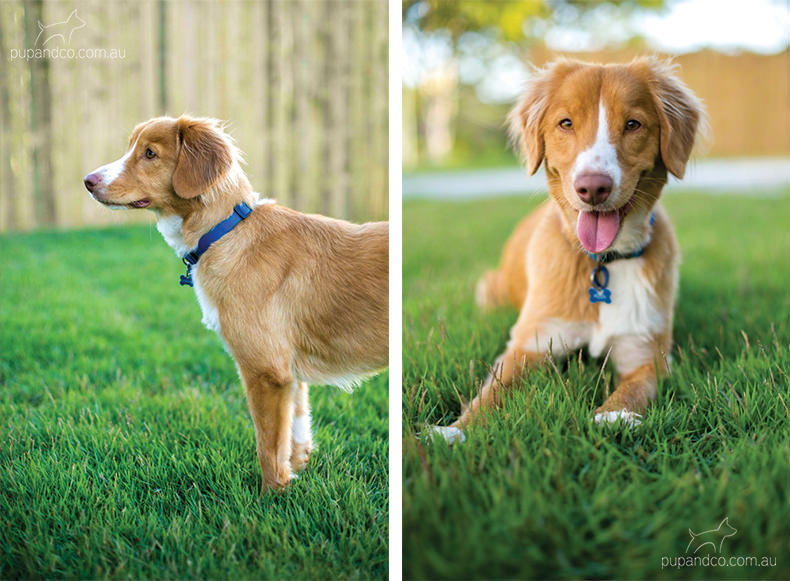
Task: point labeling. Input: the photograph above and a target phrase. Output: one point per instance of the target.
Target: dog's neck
(184, 224)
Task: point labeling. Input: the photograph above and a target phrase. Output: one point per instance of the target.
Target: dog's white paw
(631, 419)
(449, 433)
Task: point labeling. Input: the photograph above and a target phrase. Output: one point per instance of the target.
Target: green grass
(541, 492)
(127, 448)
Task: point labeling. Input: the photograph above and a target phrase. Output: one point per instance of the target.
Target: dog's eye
(632, 125)
(150, 153)
(566, 124)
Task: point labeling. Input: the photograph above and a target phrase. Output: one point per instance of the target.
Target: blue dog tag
(600, 296)
(598, 292)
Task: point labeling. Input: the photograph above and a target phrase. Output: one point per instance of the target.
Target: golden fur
(297, 298)
(544, 271)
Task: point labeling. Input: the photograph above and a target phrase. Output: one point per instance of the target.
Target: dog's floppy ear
(681, 115)
(204, 156)
(526, 135)
(526, 118)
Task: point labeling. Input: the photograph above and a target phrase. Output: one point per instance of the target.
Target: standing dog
(296, 298)
(597, 264)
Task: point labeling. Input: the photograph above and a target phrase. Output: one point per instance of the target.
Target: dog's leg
(531, 340)
(528, 347)
(638, 362)
(507, 367)
(302, 443)
(270, 396)
(634, 392)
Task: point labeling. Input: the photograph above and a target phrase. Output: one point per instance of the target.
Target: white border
(395, 298)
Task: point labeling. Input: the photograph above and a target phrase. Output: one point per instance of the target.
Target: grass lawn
(127, 448)
(542, 492)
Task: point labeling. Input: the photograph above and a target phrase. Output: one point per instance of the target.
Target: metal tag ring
(594, 277)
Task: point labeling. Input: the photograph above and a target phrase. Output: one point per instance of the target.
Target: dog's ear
(204, 156)
(681, 115)
(525, 120)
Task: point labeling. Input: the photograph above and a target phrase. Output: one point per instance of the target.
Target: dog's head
(608, 135)
(170, 165)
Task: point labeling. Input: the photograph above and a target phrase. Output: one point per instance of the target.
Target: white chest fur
(170, 228)
(633, 309)
(632, 316)
(209, 309)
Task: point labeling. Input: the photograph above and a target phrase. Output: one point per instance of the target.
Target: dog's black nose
(593, 188)
(91, 181)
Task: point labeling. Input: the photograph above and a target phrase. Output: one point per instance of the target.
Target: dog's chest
(170, 228)
(210, 313)
(633, 310)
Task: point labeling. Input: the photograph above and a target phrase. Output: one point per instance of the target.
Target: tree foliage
(466, 16)
(505, 17)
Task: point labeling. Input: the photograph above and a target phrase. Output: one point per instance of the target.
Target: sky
(761, 26)
(757, 25)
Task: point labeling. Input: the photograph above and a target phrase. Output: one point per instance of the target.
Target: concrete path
(758, 176)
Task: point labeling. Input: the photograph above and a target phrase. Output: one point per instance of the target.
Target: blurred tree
(461, 42)
(505, 18)
(458, 17)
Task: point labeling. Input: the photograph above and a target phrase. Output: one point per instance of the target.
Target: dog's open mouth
(597, 230)
(144, 203)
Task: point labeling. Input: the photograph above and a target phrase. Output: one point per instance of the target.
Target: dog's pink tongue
(597, 230)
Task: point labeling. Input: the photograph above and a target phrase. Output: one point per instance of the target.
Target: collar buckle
(186, 280)
(190, 258)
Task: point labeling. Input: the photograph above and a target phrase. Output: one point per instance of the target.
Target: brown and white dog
(608, 136)
(296, 298)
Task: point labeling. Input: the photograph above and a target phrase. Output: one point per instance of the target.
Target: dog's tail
(491, 290)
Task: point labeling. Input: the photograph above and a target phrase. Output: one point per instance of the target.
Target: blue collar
(190, 258)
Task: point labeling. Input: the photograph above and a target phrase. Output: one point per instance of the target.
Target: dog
(296, 298)
(597, 264)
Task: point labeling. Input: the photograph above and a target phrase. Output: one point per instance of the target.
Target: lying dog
(597, 264)
(296, 298)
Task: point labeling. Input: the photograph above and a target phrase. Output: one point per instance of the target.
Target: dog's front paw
(449, 433)
(630, 419)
